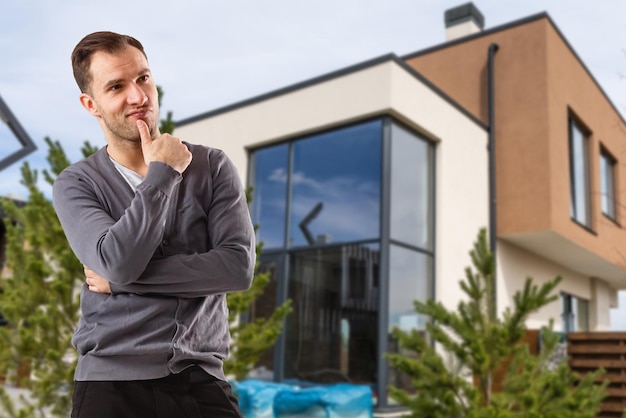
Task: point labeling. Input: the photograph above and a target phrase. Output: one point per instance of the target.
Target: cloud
(351, 206)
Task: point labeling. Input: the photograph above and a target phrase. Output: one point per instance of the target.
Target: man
(164, 232)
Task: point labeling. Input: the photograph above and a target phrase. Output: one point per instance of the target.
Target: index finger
(144, 131)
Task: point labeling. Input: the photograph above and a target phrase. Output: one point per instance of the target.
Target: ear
(89, 103)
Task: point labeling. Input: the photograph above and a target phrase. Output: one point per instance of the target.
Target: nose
(136, 96)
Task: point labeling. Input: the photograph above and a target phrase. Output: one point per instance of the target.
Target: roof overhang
(554, 247)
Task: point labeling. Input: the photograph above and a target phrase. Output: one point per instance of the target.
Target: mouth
(139, 114)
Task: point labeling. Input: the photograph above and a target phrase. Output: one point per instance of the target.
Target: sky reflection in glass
(269, 200)
(410, 277)
(339, 174)
(412, 172)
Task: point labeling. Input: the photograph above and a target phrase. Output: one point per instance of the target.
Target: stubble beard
(125, 131)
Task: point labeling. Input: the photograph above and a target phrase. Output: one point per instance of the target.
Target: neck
(129, 155)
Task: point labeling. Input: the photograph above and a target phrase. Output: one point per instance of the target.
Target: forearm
(224, 255)
(118, 249)
(218, 271)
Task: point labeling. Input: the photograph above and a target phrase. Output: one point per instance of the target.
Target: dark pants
(190, 394)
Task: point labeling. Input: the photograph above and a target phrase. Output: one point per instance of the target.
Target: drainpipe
(493, 48)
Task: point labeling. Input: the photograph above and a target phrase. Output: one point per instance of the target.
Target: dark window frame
(587, 221)
(607, 160)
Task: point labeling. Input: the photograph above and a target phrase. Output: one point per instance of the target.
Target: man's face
(121, 92)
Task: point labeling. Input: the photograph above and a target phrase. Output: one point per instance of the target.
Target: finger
(144, 132)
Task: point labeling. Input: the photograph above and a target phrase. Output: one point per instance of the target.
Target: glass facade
(346, 219)
(269, 195)
(411, 189)
(335, 174)
(331, 334)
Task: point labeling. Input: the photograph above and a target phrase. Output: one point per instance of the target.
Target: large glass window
(579, 166)
(410, 279)
(269, 195)
(319, 202)
(331, 335)
(607, 184)
(411, 189)
(262, 308)
(410, 274)
(336, 186)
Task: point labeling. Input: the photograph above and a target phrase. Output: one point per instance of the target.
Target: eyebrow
(121, 80)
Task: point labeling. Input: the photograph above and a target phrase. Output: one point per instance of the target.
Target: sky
(212, 53)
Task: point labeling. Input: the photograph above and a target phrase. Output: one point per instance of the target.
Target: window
(579, 172)
(411, 189)
(330, 206)
(575, 313)
(410, 280)
(261, 309)
(331, 334)
(269, 194)
(607, 180)
(335, 186)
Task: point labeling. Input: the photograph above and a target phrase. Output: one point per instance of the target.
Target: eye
(144, 77)
(115, 87)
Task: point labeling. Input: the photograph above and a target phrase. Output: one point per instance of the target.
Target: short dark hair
(110, 42)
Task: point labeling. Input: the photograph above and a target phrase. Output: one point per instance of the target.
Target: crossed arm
(118, 255)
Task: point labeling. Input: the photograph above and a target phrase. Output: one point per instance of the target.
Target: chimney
(462, 21)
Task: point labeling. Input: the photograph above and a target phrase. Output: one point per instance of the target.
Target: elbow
(245, 274)
(244, 284)
(249, 275)
(119, 265)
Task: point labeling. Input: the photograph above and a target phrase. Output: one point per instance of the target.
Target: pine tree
(482, 346)
(251, 339)
(39, 298)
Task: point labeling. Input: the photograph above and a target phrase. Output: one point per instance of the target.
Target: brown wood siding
(589, 351)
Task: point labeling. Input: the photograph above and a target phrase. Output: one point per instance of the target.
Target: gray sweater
(171, 251)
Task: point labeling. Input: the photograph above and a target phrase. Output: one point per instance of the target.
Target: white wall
(516, 264)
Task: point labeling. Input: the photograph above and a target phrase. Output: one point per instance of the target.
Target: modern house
(371, 184)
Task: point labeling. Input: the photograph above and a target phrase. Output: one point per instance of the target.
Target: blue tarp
(259, 399)
(256, 397)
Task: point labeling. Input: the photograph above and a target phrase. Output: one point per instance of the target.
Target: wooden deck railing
(589, 351)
